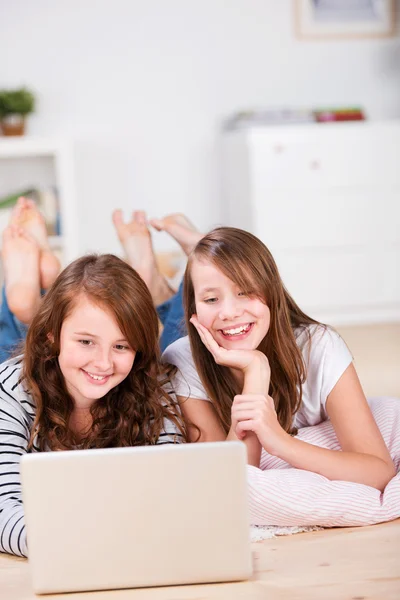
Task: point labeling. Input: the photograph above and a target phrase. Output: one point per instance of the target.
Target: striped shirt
(17, 412)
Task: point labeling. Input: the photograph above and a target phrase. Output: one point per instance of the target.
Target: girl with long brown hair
(89, 377)
(255, 367)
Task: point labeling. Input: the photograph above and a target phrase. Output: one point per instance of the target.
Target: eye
(210, 300)
(85, 342)
(247, 293)
(121, 347)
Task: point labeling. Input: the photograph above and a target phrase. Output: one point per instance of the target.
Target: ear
(50, 337)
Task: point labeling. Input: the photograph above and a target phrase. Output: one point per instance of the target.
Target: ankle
(160, 290)
(49, 268)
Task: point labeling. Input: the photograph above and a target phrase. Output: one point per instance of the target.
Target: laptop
(136, 517)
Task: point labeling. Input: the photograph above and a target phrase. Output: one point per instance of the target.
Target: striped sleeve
(16, 413)
(170, 433)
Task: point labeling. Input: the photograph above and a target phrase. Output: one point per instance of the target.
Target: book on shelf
(251, 118)
(329, 115)
(291, 116)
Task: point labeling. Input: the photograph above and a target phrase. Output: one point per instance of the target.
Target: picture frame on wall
(344, 19)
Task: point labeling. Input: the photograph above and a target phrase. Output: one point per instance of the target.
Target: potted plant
(14, 106)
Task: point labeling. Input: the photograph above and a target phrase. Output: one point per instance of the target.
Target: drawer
(324, 158)
(338, 280)
(333, 217)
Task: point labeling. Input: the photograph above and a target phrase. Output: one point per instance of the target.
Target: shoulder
(178, 352)
(11, 370)
(326, 357)
(186, 382)
(13, 395)
(321, 343)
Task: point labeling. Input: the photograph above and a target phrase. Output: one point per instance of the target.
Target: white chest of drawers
(325, 198)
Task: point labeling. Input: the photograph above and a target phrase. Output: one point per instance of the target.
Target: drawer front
(333, 217)
(326, 158)
(336, 281)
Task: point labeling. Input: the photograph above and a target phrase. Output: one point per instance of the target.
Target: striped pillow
(281, 495)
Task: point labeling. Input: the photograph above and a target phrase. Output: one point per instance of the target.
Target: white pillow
(281, 495)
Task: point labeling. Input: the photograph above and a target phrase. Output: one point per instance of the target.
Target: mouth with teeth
(238, 332)
(96, 379)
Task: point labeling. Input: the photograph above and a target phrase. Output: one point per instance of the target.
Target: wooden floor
(376, 352)
(334, 564)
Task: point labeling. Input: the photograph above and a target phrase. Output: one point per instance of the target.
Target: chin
(238, 345)
(96, 395)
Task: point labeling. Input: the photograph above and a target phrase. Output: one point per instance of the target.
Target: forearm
(338, 465)
(12, 528)
(256, 381)
(257, 377)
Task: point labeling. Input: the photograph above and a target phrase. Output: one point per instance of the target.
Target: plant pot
(13, 124)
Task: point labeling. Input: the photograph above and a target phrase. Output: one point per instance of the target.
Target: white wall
(150, 80)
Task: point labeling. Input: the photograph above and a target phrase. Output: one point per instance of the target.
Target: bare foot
(27, 216)
(136, 241)
(180, 228)
(20, 254)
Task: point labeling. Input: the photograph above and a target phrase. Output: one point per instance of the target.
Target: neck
(80, 421)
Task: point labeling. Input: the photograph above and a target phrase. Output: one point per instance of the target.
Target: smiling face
(234, 318)
(94, 354)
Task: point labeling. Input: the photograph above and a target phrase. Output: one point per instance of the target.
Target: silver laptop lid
(134, 517)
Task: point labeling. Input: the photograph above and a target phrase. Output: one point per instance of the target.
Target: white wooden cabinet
(37, 162)
(325, 199)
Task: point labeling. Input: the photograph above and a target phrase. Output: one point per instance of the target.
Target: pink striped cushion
(281, 495)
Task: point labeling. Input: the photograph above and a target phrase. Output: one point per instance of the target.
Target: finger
(244, 415)
(199, 330)
(249, 402)
(243, 427)
(205, 336)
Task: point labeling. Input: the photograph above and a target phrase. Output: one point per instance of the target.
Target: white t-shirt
(325, 355)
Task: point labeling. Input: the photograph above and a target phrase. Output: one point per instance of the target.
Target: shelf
(19, 147)
(44, 162)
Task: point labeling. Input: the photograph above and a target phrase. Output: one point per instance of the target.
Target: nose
(102, 359)
(231, 308)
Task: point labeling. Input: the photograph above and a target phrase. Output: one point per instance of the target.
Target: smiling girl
(89, 378)
(255, 367)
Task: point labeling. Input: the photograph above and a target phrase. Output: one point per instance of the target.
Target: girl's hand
(256, 413)
(243, 360)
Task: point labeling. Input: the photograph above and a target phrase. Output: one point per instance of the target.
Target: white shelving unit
(43, 162)
(325, 199)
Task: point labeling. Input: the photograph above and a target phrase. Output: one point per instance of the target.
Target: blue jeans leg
(12, 331)
(172, 317)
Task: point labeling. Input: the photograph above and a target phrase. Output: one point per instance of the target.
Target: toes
(157, 224)
(117, 217)
(139, 216)
(180, 219)
(29, 203)
(17, 210)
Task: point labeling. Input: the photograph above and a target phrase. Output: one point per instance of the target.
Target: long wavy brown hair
(133, 412)
(249, 264)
